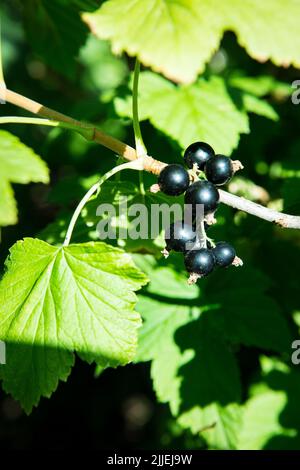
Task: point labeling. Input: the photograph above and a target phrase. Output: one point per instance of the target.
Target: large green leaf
(56, 32)
(133, 216)
(54, 301)
(177, 37)
(209, 110)
(56, 231)
(19, 164)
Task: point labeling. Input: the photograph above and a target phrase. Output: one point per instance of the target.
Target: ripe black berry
(180, 236)
(173, 180)
(218, 170)
(198, 152)
(224, 254)
(202, 192)
(199, 261)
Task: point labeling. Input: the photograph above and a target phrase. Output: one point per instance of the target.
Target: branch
(150, 164)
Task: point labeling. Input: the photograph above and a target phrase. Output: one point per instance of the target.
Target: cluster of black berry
(207, 170)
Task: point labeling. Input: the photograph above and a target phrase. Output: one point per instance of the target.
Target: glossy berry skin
(173, 180)
(198, 152)
(202, 192)
(218, 170)
(180, 236)
(199, 261)
(224, 254)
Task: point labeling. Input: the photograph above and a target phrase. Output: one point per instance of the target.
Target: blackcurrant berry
(224, 254)
(199, 261)
(180, 236)
(218, 170)
(202, 192)
(198, 152)
(173, 180)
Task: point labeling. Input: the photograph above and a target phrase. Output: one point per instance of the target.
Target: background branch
(150, 164)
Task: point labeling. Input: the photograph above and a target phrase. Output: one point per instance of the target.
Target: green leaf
(174, 285)
(188, 334)
(261, 85)
(55, 301)
(177, 37)
(287, 168)
(210, 110)
(204, 111)
(8, 205)
(19, 164)
(55, 32)
(117, 225)
(102, 69)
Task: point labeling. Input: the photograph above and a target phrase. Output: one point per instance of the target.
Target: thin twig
(87, 132)
(150, 164)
